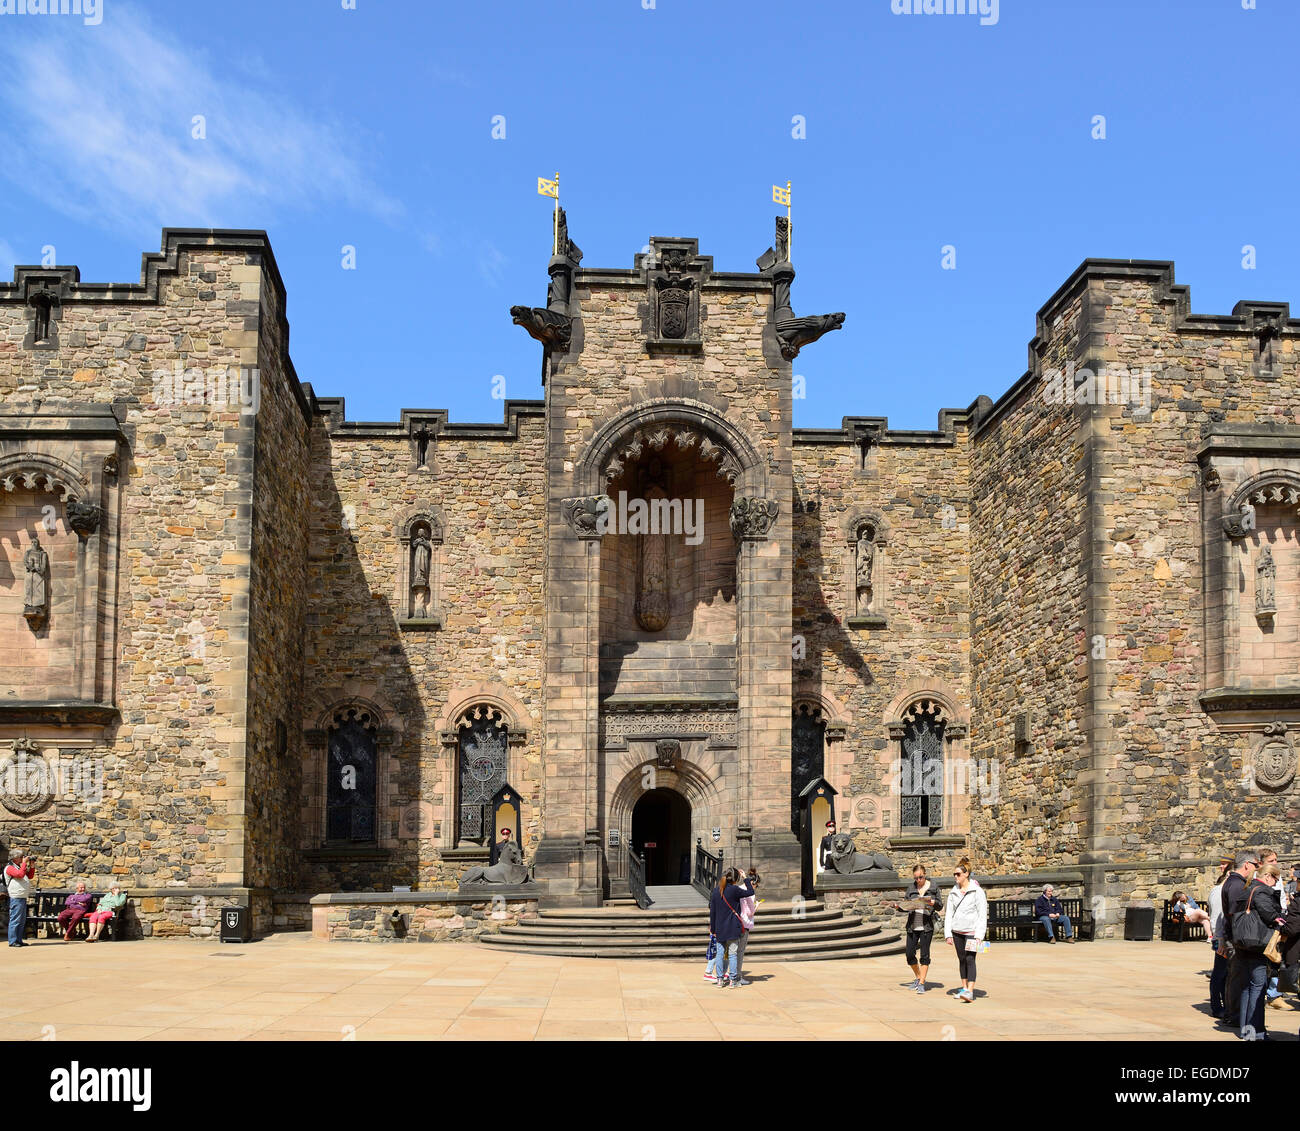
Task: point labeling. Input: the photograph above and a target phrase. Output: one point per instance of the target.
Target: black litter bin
(236, 924)
(1139, 923)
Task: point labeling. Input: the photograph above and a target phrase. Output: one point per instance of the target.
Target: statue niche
(36, 592)
(652, 597)
(865, 571)
(421, 570)
(1265, 586)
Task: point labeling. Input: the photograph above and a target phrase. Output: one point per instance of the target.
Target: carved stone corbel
(586, 515)
(84, 518)
(751, 518)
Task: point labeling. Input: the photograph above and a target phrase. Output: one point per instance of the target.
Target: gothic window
(807, 753)
(350, 790)
(921, 777)
(482, 745)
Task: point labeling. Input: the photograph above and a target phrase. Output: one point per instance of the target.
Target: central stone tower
(669, 563)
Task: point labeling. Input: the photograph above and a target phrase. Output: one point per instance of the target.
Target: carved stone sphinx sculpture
(509, 869)
(845, 859)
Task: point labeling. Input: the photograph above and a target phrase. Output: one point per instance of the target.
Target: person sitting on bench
(110, 904)
(75, 908)
(1049, 911)
(1185, 908)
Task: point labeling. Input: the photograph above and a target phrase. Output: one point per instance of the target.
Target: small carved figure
(422, 438)
(865, 572)
(509, 869)
(36, 597)
(1265, 584)
(421, 560)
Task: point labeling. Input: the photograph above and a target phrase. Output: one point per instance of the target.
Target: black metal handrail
(636, 877)
(708, 869)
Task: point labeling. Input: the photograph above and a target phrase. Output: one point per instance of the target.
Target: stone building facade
(252, 651)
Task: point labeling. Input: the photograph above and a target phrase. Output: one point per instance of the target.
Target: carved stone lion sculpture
(509, 869)
(847, 860)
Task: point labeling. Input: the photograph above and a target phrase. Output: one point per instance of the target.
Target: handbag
(1249, 932)
(1272, 951)
(712, 952)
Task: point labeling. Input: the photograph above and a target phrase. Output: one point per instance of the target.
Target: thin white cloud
(491, 264)
(98, 123)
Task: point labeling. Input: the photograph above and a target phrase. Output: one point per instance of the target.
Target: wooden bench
(1174, 928)
(43, 909)
(1013, 920)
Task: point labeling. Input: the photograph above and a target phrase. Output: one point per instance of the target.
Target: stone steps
(628, 932)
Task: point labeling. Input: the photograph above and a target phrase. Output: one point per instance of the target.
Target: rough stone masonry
(252, 652)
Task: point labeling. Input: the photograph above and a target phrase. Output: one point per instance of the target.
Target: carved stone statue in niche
(421, 564)
(1265, 585)
(421, 437)
(36, 595)
(652, 595)
(865, 569)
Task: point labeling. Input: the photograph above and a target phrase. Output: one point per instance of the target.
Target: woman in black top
(724, 922)
(920, 925)
(1262, 901)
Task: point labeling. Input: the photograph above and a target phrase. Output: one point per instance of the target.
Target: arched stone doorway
(661, 831)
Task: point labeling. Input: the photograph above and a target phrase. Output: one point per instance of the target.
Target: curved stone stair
(818, 933)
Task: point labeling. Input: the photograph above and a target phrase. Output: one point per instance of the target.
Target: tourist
(1050, 911)
(75, 908)
(110, 904)
(920, 925)
(1261, 901)
(747, 906)
(1268, 859)
(725, 924)
(824, 850)
(18, 879)
(964, 923)
(1234, 897)
(1219, 972)
(1183, 907)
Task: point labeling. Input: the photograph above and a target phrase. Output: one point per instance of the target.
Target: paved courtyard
(293, 987)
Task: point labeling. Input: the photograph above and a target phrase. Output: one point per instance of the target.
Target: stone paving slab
(292, 987)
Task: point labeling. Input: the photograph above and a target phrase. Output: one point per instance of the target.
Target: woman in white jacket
(964, 925)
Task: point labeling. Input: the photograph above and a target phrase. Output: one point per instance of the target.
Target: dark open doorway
(661, 830)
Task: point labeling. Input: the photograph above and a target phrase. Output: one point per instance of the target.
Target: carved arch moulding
(59, 477)
(1250, 524)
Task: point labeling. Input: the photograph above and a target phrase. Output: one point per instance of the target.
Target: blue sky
(373, 128)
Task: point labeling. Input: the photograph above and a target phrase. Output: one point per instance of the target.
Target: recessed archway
(661, 831)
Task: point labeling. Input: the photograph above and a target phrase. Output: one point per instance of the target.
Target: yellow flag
(779, 195)
(548, 188)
